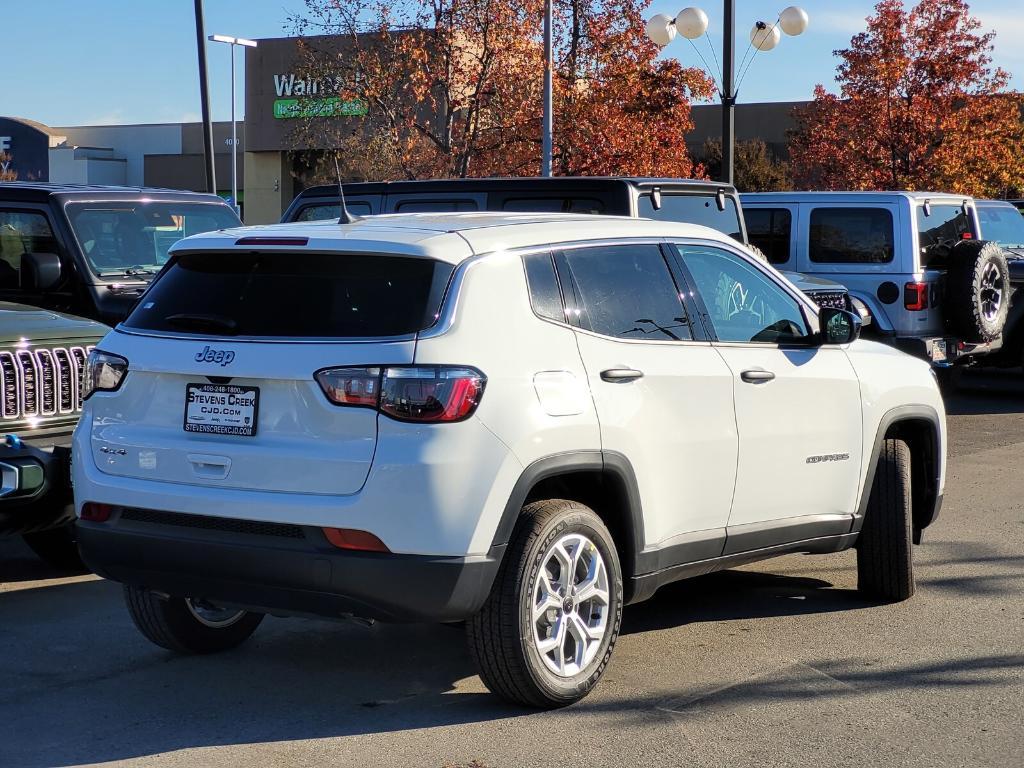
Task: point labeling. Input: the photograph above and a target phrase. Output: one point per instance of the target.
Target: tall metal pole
(234, 139)
(204, 95)
(545, 166)
(728, 89)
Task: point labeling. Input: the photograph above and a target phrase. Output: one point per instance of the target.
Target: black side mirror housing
(838, 326)
(40, 271)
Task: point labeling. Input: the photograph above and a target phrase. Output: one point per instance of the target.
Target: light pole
(233, 41)
(545, 167)
(692, 23)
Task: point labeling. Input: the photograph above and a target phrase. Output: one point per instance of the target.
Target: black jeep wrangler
(68, 253)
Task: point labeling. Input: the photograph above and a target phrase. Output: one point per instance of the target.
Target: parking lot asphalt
(776, 664)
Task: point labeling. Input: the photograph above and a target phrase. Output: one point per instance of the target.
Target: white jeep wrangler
(523, 422)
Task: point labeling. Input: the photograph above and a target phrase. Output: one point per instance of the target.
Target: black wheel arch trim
(928, 504)
(568, 463)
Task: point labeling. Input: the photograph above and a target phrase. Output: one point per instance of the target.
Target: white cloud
(113, 117)
(847, 22)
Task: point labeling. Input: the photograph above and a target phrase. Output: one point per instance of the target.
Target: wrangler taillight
(915, 296)
(417, 393)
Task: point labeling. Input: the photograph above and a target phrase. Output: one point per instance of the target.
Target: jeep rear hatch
(222, 353)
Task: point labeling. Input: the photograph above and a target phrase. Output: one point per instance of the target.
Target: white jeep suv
(524, 422)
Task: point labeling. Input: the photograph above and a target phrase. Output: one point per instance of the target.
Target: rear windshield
(944, 226)
(694, 209)
(294, 295)
(324, 211)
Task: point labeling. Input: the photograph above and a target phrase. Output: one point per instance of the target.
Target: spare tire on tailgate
(977, 290)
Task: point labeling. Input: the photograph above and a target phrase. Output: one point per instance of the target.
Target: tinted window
(554, 205)
(945, 226)
(744, 304)
(22, 232)
(627, 291)
(851, 236)
(1002, 223)
(294, 295)
(769, 229)
(135, 236)
(694, 209)
(544, 294)
(435, 206)
(333, 210)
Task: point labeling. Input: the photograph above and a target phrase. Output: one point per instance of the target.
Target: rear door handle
(757, 376)
(617, 375)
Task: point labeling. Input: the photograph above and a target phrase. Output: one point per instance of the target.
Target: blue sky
(67, 62)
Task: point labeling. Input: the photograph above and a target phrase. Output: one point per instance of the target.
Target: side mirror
(838, 326)
(40, 271)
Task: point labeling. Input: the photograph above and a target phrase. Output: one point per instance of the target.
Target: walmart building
(171, 155)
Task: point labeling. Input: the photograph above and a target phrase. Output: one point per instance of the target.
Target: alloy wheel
(991, 293)
(213, 616)
(570, 605)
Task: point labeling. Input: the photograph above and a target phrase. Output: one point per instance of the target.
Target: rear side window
(435, 206)
(851, 236)
(553, 205)
(627, 291)
(22, 232)
(544, 294)
(694, 209)
(770, 229)
(945, 226)
(294, 295)
(333, 210)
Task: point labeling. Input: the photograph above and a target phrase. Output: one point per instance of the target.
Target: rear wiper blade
(198, 322)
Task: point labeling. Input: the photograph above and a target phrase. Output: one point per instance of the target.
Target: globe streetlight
(692, 23)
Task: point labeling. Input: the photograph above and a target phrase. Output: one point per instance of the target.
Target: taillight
(431, 393)
(96, 513)
(915, 296)
(417, 393)
(351, 386)
(103, 372)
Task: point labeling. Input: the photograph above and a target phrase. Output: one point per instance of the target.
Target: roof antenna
(345, 217)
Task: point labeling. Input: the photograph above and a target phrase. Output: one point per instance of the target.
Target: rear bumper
(944, 351)
(284, 570)
(35, 488)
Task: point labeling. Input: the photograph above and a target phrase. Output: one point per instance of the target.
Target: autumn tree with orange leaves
(452, 88)
(920, 107)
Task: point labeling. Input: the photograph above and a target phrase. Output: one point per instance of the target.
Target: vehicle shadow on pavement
(987, 392)
(738, 594)
(75, 659)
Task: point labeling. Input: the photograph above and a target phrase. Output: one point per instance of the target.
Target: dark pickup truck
(708, 203)
(73, 260)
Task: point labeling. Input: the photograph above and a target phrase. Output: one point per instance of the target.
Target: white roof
(854, 196)
(450, 237)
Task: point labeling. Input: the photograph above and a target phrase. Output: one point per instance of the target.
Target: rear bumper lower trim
(287, 575)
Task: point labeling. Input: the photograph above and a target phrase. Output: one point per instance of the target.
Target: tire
(885, 566)
(58, 548)
(977, 290)
(504, 639)
(173, 623)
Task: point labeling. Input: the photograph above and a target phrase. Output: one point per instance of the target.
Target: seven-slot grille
(833, 299)
(41, 382)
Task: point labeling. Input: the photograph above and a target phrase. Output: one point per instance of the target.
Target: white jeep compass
(523, 422)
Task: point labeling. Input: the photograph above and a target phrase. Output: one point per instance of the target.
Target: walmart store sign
(298, 97)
